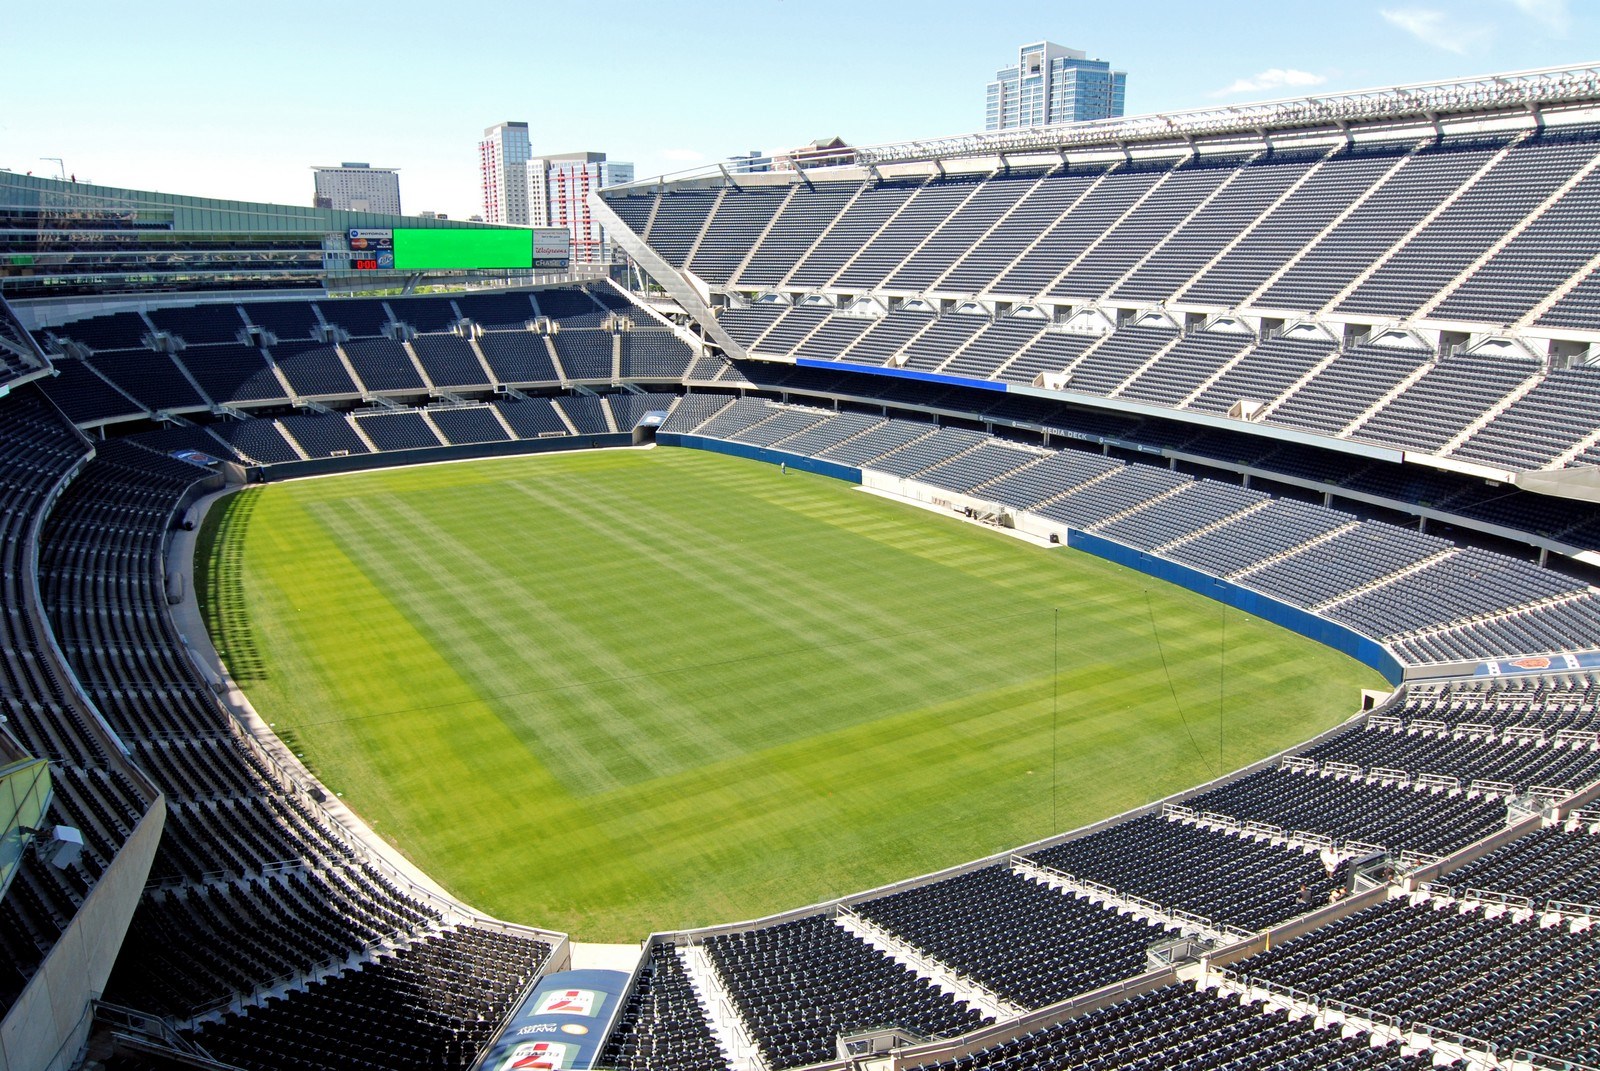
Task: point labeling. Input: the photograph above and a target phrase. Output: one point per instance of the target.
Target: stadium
(869, 502)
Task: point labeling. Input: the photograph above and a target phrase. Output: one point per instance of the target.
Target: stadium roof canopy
(1524, 95)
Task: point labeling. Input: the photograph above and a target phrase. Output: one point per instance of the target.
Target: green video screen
(444, 249)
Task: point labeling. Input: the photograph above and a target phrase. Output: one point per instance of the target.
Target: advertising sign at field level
(560, 1026)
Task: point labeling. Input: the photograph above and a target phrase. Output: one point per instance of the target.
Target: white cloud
(683, 156)
(1435, 28)
(1272, 78)
(1553, 14)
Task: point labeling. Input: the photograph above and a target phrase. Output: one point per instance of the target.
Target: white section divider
(726, 1022)
(907, 955)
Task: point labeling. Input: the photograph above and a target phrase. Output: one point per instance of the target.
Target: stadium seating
(664, 1024)
(1306, 370)
(1017, 937)
(248, 864)
(800, 984)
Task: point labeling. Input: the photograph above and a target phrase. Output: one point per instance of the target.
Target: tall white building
(1053, 84)
(558, 196)
(503, 155)
(356, 187)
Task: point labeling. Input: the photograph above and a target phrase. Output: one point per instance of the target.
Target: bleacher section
(93, 791)
(253, 883)
(1391, 227)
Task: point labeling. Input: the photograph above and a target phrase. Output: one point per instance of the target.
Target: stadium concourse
(1327, 361)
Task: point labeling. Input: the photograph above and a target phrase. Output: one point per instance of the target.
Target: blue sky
(239, 100)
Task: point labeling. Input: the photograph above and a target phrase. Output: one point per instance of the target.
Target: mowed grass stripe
(485, 645)
(805, 604)
(915, 733)
(564, 651)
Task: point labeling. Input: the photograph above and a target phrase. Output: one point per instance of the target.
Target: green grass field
(625, 691)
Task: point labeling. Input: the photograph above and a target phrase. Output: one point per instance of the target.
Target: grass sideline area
(614, 692)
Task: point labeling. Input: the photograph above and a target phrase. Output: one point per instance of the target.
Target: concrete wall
(760, 453)
(1329, 633)
(49, 1023)
(324, 466)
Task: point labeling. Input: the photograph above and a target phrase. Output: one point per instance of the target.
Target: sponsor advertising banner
(1556, 663)
(561, 1025)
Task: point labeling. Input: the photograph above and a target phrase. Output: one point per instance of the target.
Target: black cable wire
(1171, 687)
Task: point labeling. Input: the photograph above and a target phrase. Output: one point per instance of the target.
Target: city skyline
(117, 126)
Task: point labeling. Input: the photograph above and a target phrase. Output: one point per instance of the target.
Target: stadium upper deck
(1406, 274)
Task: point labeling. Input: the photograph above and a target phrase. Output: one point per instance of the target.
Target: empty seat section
(1421, 184)
(1044, 201)
(285, 320)
(324, 434)
(256, 440)
(497, 312)
(1531, 170)
(1452, 394)
(230, 374)
(1180, 371)
(571, 307)
(587, 414)
(1018, 937)
(1145, 226)
(450, 362)
(313, 369)
(1264, 372)
(1118, 356)
(1126, 489)
(789, 329)
(961, 230)
(85, 396)
(361, 317)
(383, 365)
(917, 218)
(397, 431)
(871, 209)
(428, 315)
(153, 378)
(887, 337)
(800, 984)
(1192, 245)
(1293, 222)
(1166, 520)
(198, 325)
(810, 210)
(468, 424)
(992, 347)
(1090, 218)
(740, 217)
(518, 357)
(677, 223)
(654, 355)
(534, 418)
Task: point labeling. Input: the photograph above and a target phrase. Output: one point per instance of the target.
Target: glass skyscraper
(1053, 84)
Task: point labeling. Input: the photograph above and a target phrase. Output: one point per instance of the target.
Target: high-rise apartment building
(502, 166)
(356, 187)
(558, 196)
(1053, 84)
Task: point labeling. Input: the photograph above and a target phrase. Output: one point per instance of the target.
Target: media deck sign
(561, 1025)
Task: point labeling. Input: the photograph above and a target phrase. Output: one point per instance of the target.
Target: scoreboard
(458, 249)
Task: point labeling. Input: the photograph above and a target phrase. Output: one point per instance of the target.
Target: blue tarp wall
(761, 453)
(1308, 624)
